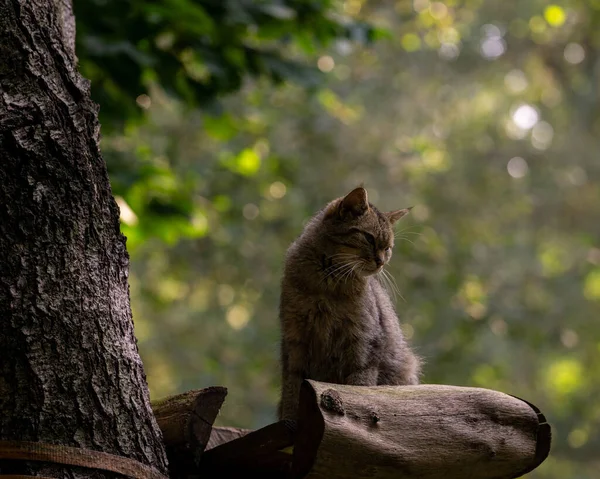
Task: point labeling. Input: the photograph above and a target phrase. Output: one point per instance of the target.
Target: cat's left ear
(394, 216)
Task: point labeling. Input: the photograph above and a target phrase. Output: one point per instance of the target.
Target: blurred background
(226, 124)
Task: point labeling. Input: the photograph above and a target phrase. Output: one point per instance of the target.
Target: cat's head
(358, 234)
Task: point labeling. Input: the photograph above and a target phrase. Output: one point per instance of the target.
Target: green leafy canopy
(198, 50)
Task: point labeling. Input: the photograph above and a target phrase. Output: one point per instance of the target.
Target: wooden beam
(223, 434)
(425, 432)
(186, 422)
(257, 453)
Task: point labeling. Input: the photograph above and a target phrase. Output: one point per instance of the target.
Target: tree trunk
(70, 372)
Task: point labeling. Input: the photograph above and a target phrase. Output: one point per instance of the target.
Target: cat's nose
(378, 261)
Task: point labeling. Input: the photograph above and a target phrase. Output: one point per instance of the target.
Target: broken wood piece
(254, 454)
(223, 434)
(186, 422)
(425, 432)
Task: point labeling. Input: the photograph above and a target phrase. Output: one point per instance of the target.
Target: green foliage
(138, 53)
(483, 115)
(198, 50)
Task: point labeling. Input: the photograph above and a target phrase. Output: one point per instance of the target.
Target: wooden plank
(256, 453)
(425, 432)
(223, 434)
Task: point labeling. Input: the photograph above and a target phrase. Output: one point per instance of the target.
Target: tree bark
(70, 372)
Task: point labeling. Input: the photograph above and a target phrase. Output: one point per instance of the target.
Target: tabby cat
(338, 323)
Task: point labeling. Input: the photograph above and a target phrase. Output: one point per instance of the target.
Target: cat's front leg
(404, 370)
(363, 377)
(290, 395)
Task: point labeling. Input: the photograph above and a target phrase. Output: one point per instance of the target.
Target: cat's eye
(369, 238)
(388, 249)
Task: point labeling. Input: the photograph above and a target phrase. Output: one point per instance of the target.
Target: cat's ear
(355, 203)
(394, 216)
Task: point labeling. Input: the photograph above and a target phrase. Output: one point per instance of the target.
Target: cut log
(186, 422)
(257, 453)
(425, 432)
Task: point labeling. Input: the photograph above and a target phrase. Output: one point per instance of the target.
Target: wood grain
(425, 432)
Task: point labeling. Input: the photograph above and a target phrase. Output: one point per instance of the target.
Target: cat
(338, 323)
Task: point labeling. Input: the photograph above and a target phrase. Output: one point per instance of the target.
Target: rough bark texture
(186, 422)
(70, 372)
(425, 432)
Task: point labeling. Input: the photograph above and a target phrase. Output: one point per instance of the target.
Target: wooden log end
(543, 439)
(186, 423)
(311, 427)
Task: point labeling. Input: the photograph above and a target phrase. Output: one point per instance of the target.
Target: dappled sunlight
(492, 44)
(238, 316)
(578, 437)
(247, 162)
(325, 63)
(277, 190)
(563, 378)
(127, 215)
(554, 257)
(515, 81)
(525, 116)
(591, 285)
(555, 15)
(347, 114)
(541, 135)
(517, 167)
(574, 53)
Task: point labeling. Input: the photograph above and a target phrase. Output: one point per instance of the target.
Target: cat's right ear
(355, 203)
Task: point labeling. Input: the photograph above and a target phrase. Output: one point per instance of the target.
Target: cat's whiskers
(402, 238)
(343, 254)
(407, 229)
(339, 270)
(401, 235)
(391, 285)
(396, 288)
(347, 272)
(340, 258)
(343, 261)
(345, 276)
(333, 269)
(361, 266)
(386, 284)
(358, 264)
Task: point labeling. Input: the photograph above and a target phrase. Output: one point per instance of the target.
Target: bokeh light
(517, 167)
